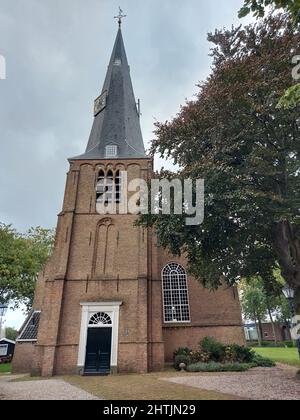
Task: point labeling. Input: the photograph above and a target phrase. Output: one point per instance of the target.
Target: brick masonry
(107, 258)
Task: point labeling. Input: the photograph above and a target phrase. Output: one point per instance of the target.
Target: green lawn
(5, 368)
(280, 355)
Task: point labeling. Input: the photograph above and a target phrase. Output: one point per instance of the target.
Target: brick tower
(109, 299)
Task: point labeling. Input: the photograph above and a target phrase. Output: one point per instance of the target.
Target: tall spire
(117, 119)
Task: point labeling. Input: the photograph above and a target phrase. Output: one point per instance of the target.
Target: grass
(143, 387)
(280, 355)
(5, 368)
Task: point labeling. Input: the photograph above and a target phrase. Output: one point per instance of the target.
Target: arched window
(118, 186)
(175, 294)
(108, 187)
(101, 318)
(100, 186)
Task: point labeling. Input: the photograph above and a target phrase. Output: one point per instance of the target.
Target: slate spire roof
(118, 123)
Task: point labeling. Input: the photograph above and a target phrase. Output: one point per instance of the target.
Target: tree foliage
(253, 300)
(257, 302)
(291, 97)
(258, 8)
(22, 256)
(259, 305)
(11, 333)
(247, 150)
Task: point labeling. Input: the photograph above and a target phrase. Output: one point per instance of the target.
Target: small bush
(200, 356)
(288, 344)
(215, 350)
(271, 344)
(218, 352)
(182, 351)
(241, 354)
(260, 361)
(181, 358)
(219, 367)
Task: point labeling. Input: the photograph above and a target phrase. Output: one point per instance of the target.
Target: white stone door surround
(88, 309)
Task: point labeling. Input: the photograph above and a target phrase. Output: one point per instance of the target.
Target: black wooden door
(98, 351)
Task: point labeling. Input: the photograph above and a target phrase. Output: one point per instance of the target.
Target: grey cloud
(57, 52)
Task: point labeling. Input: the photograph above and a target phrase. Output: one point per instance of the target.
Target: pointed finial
(120, 16)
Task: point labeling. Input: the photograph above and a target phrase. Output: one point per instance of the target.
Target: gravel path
(257, 384)
(54, 389)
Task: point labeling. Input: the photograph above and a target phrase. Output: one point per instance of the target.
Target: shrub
(181, 358)
(215, 350)
(240, 354)
(288, 344)
(219, 367)
(218, 352)
(260, 361)
(200, 356)
(182, 351)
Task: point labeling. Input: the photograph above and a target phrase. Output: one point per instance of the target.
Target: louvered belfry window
(109, 187)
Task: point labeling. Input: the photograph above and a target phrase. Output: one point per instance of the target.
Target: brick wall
(23, 357)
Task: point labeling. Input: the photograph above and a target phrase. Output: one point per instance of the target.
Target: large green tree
(253, 301)
(259, 305)
(22, 256)
(247, 150)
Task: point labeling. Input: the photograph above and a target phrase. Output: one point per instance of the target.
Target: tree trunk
(258, 331)
(297, 301)
(287, 247)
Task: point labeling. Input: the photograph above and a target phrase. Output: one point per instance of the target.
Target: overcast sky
(57, 52)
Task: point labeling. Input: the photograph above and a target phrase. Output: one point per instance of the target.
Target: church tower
(109, 300)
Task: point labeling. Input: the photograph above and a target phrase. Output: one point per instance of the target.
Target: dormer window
(111, 151)
(117, 62)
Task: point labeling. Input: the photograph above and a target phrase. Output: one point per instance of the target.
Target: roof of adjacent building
(118, 123)
(6, 340)
(29, 330)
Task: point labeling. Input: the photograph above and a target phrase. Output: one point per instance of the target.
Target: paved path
(53, 389)
(257, 384)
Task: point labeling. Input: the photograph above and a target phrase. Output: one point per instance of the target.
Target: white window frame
(174, 321)
(2, 346)
(100, 324)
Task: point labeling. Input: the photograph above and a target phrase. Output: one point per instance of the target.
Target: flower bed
(213, 356)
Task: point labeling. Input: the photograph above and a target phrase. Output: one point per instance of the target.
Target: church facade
(110, 299)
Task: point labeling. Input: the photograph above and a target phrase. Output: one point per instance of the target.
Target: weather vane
(120, 16)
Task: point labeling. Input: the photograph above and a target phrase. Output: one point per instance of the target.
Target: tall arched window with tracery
(175, 294)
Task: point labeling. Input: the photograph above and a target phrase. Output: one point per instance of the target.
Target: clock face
(100, 103)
